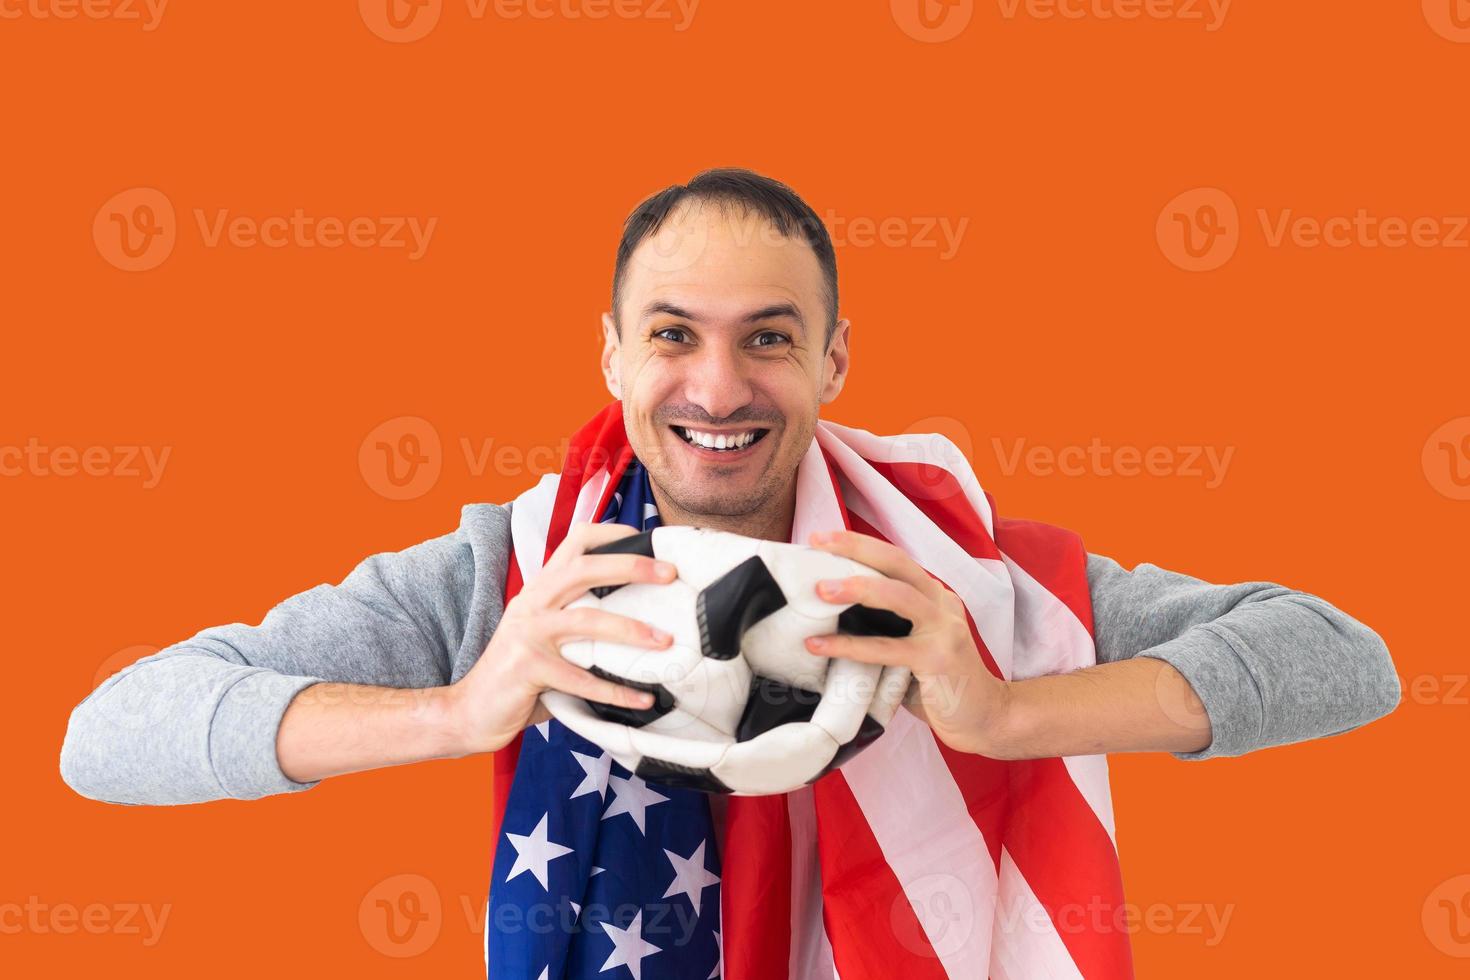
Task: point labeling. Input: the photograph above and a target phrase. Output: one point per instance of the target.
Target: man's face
(723, 341)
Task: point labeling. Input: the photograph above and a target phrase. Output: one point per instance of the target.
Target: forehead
(720, 261)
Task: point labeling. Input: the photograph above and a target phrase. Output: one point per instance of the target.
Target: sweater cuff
(1208, 659)
(242, 735)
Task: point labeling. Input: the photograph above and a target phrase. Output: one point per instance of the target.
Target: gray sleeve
(1272, 665)
(197, 721)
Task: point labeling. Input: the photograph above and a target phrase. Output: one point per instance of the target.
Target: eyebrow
(770, 312)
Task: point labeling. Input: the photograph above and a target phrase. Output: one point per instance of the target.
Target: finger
(886, 650)
(582, 572)
(587, 623)
(567, 677)
(877, 555)
(880, 593)
(581, 537)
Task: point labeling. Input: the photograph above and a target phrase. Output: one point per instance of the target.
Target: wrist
(1001, 730)
(445, 715)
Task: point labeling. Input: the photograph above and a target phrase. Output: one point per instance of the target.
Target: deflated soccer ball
(740, 705)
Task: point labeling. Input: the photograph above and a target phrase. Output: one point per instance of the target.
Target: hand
(955, 694)
(500, 696)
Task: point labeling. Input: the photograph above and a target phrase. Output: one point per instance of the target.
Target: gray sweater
(197, 721)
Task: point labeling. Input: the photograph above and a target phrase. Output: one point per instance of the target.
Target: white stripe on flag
(1027, 946)
(988, 596)
(530, 521)
(808, 934)
(588, 498)
(920, 447)
(944, 867)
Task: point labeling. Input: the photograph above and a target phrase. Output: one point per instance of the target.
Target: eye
(677, 335)
(770, 338)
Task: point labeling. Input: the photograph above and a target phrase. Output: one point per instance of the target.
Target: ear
(612, 349)
(834, 367)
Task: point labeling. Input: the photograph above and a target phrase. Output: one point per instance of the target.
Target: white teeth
(711, 440)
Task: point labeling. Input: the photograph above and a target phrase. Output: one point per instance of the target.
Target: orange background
(1059, 319)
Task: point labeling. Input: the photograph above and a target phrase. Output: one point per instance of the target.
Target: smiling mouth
(720, 442)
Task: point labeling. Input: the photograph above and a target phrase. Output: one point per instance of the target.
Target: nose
(717, 381)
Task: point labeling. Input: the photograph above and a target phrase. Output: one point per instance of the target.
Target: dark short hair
(771, 199)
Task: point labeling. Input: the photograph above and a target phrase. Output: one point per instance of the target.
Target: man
(722, 343)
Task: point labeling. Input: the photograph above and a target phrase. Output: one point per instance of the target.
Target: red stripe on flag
(870, 921)
(1054, 557)
(1068, 859)
(755, 895)
(938, 494)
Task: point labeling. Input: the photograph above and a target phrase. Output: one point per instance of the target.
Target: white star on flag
(545, 729)
(629, 947)
(534, 852)
(690, 876)
(597, 771)
(719, 956)
(632, 796)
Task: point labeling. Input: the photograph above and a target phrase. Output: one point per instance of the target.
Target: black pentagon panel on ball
(633, 544)
(867, 734)
(867, 621)
(773, 703)
(679, 777)
(732, 604)
(663, 702)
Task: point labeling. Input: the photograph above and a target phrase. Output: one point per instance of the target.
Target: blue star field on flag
(599, 875)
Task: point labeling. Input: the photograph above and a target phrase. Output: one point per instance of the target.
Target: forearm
(333, 729)
(1139, 705)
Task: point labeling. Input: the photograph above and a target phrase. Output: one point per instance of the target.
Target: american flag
(913, 860)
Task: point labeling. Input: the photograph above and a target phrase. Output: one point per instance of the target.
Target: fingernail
(829, 587)
(816, 642)
(821, 537)
(659, 634)
(664, 568)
